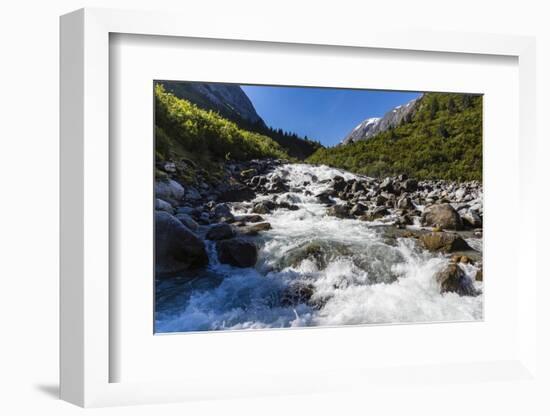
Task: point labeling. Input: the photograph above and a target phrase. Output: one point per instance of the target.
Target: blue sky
(324, 114)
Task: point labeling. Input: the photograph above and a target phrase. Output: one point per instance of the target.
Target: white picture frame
(86, 355)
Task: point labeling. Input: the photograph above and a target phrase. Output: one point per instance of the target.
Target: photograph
(275, 208)
(287, 206)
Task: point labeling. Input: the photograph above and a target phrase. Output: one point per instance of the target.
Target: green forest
(185, 131)
(294, 145)
(441, 140)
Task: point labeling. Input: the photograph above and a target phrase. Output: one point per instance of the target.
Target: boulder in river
(405, 203)
(188, 221)
(376, 213)
(442, 215)
(444, 242)
(169, 190)
(472, 219)
(289, 206)
(264, 207)
(460, 194)
(409, 185)
(390, 198)
(161, 205)
(222, 213)
(380, 200)
(192, 194)
(339, 211)
(249, 218)
(203, 218)
(358, 209)
(296, 293)
(338, 183)
(220, 232)
(387, 185)
(404, 220)
(320, 252)
(325, 197)
(176, 247)
(237, 252)
(357, 187)
(254, 229)
(453, 279)
(236, 193)
(276, 185)
(185, 210)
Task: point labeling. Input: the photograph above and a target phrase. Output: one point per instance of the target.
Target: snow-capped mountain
(374, 125)
(363, 130)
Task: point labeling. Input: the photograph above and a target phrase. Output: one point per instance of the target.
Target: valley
(249, 237)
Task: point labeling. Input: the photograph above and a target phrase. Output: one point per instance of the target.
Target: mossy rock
(254, 229)
(452, 278)
(444, 242)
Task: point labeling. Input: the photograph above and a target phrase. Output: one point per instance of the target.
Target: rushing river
(357, 274)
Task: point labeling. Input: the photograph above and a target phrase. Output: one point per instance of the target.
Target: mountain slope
(372, 126)
(227, 99)
(231, 102)
(441, 140)
(362, 130)
(184, 131)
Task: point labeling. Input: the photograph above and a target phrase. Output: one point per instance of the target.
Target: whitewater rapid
(363, 277)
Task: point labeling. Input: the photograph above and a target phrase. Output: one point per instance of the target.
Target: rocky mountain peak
(374, 125)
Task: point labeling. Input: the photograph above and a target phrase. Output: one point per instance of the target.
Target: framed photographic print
(379, 220)
(245, 215)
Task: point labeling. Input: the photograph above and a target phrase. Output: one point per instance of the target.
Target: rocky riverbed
(276, 244)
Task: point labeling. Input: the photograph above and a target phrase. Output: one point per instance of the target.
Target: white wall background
(29, 209)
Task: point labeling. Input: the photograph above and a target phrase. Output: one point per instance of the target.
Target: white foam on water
(359, 275)
(475, 243)
(414, 297)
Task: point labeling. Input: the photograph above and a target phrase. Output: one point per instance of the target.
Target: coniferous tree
(466, 101)
(447, 146)
(434, 108)
(451, 106)
(442, 130)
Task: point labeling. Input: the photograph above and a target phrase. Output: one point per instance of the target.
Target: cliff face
(227, 99)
